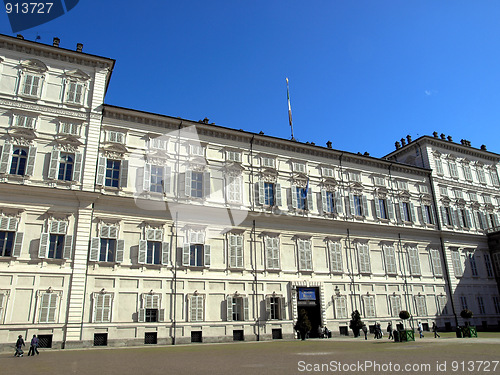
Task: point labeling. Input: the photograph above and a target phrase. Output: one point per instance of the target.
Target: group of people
(33, 346)
(323, 332)
(377, 330)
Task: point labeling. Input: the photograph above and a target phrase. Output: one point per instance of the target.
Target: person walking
(33, 346)
(19, 344)
(420, 329)
(389, 331)
(435, 330)
(365, 331)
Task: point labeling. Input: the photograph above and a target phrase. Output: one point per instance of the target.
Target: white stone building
(121, 227)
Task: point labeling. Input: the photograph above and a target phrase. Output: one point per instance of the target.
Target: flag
(289, 106)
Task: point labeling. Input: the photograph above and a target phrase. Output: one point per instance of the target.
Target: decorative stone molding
(38, 108)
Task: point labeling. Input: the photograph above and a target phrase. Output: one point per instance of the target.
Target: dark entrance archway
(308, 300)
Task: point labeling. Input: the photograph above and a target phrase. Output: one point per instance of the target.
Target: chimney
(398, 145)
(443, 136)
(329, 144)
(56, 41)
(312, 143)
(483, 147)
(403, 142)
(408, 138)
(79, 47)
(435, 134)
(450, 139)
(366, 153)
(19, 36)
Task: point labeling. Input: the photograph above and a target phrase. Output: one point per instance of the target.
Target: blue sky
(363, 74)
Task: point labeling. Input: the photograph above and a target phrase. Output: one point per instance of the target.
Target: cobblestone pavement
(355, 356)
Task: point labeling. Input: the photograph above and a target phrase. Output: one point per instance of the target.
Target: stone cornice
(39, 108)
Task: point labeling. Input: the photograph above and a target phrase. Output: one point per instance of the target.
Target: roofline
(251, 135)
(468, 149)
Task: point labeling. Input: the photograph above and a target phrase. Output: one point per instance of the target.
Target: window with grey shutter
(420, 305)
(335, 256)
(120, 249)
(305, 255)
(101, 170)
(47, 309)
(411, 207)
(196, 308)
(439, 166)
(102, 307)
(414, 260)
(457, 263)
(165, 253)
(44, 245)
(94, 249)
(444, 216)
(278, 194)
(235, 250)
(31, 161)
(272, 253)
(395, 302)
(68, 247)
(206, 184)
(54, 164)
(5, 158)
(390, 259)
(366, 213)
(143, 246)
(18, 244)
(364, 258)
(294, 197)
(123, 174)
(206, 255)
(369, 305)
(310, 205)
(377, 207)
(338, 203)
(437, 268)
(340, 307)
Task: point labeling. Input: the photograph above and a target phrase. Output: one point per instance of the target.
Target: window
(480, 174)
(327, 172)
(3, 301)
(379, 181)
(112, 173)
(403, 185)
(233, 156)
(355, 176)
(486, 199)
(443, 190)
(463, 302)
(10, 241)
(369, 305)
(473, 196)
(153, 250)
(340, 307)
(452, 166)
(331, 202)
(158, 144)
(407, 212)
(437, 268)
(494, 177)
(156, 178)
(448, 216)
(467, 172)
(305, 254)
(492, 220)
(439, 166)
(150, 311)
(235, 250)
(196, 253)
(302, 198)
(481, 220)
(32, 85)
(48, 306)
(442, 302)
(395, 305)
(102, 307)
(75, 92)
(196, 308)
(19, 160)
(473, 265)
(268, 162)
(234, 189)
(55, 244)
(496, 304)
(384, 208)
(424, 189)
(269, 194)
(197, 184)
(24, 121)
(358, 205)
(64, 166)
(480, 304)
(69, 128)
(275, 307)
(458, 194)
(299, 167)
(364, 258)
(390, 259)
(457, 263)
(420, 306)
(272, 253)
(464, 218)
(107, 247)
(116, 137)
(487, 264)
(428, 213)
(196, 150)
(237, 308)
(414, 261)
(335, 256)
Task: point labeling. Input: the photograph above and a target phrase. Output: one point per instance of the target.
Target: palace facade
(122, 227)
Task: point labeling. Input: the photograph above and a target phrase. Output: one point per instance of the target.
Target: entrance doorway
(308, 300)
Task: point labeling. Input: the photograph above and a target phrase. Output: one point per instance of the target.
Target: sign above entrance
(307, 294)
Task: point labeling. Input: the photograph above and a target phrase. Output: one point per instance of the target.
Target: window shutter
(166, 179)
(425, 216)
(187, 183)
(31, 161)
(443, 216)
(324, 203)
(365, 206)
(246, 315)
(206, 253)
(229, 308)
(95, 243)
(143, 245)
(293, 191)
(44, 307)
(186, 254)
(120, 249)
(351, 204)
(278, 194)
(310, 203)
(461, 223)
(390, 209)
(44, 243)
(412, 213)
(468, 222)
(339, 207)
(161, 315)
(268, 308)
(165, 253)
(453, 217)
(123, 174)
(302, 255)
(98, 307)
(206, 184)
(101, 170)
(377, 207)
(5, 158)
(142, 315)
(146, 177)
(54, 163)
(401, 212)
(107, 308)
(52, 307)
(18, 244)
(68, 247)
(104, 232)
(282, 308)
(77, 167)
(261, 192)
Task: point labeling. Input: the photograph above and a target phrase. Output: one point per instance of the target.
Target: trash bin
(459, 332)
(396, 336)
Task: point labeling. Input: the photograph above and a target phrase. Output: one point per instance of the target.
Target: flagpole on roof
(289, 108)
